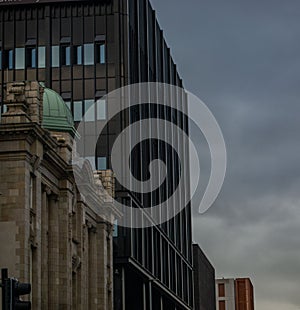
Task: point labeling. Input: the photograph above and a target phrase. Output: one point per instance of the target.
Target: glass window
(101, 109)
(20, 58)
(101, 163)
(31, 57)
(0, 59)
(68, 104)
(91, 160)
(115, 231)
(222, 305)
(78, 55)
(42, 57)
(10, 59)
(100, 52)
(66, 55)
(55, 56)
(89, 110)
(221, 289)
(88, 54)
(77, 111)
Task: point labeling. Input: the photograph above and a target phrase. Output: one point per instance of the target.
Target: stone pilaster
(94, 299)
(53, 254)
(65, 257)
(44, 248)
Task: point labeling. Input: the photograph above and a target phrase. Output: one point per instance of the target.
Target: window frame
(98, 101)
(65, 55)
(31, 60)
(55, 62)
(100, 52)
(76, 60)
(76, 103)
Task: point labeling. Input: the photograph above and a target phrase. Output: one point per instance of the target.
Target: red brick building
(234, 294)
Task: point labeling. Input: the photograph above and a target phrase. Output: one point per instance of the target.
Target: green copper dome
(56, 115)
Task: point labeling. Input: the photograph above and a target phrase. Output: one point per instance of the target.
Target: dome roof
(56, 114)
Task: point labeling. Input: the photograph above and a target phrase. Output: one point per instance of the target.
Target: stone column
(65, 259)
(109, 264)
(44, 249)
(105, 265)
(53, 254)
(93, 270)
(36, 242)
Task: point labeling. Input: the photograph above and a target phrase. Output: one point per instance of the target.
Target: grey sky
(242, 58)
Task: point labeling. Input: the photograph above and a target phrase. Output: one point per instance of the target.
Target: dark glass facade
(204, 281)
(83, 50)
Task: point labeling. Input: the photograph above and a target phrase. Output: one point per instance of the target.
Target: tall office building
(234, 294)
(84, 50)
(204, 281)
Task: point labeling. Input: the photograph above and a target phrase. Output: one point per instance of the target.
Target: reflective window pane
(68, 104)
(101, 163)
(102, 53)
(78, 55)
(101, 109)
(115, 232)
(66, 55)
(77, 111)
(33, 58)
(55, 56)
(42, 57)
(20, 58)
(11, 59)
(88, 54)
(89, 110)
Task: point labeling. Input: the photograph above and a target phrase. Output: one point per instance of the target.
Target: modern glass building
(84, 50)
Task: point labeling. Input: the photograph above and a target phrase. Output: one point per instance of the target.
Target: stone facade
(50, 235)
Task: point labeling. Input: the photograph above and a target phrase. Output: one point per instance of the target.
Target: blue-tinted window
(101, 109)
(33, 58)
(0, 59)
(66, 55)
(89, 110)
(42, 57)
(77, 111)
(100, 52)
(88, 54)
(78, 55)
(101, 163)
(10, 59)
(20, 58)
(55, 56)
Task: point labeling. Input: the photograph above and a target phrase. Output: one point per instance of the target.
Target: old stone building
(50, 235)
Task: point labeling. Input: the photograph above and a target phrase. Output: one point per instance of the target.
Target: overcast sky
(242, 58)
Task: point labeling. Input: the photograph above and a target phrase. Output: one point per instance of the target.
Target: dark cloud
(242, 59)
